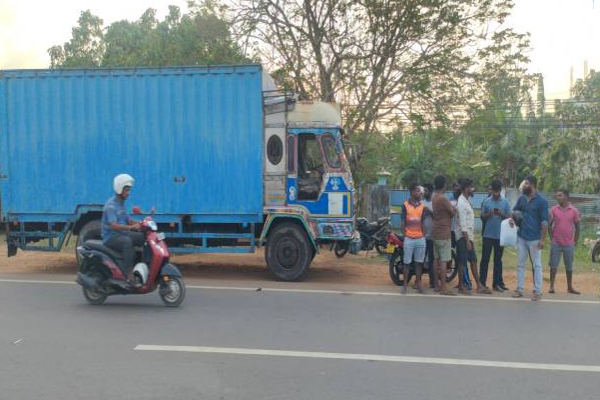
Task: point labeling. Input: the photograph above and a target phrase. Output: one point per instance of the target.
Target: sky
(564, 33)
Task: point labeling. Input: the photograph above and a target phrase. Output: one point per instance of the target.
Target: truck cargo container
(223, 161)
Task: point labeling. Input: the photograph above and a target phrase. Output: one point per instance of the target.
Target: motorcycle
(395, 249)
(596, 249)
(102, 272)
(372, 236)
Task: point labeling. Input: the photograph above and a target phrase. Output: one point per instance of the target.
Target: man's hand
(511, 222)
(469, 245)
(136, 226)
(541, 244)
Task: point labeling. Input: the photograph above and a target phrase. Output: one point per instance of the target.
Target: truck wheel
(90, 231)
(288, 252)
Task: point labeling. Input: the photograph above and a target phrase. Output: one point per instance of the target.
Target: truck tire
(91, 231)
(288, 252)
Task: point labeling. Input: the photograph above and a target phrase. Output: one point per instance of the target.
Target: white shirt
(466, 218)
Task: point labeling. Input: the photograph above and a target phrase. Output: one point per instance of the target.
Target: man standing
(411, 226)
(428, 228)
(493, 210)
(564, 231)
(443, 213)
(532, 212)
(464, 243)
(456, 192)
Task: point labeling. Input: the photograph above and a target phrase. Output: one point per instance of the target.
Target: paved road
(54, 346)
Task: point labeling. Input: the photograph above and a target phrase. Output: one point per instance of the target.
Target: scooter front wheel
(172, 291)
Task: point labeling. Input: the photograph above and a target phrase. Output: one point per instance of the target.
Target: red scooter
(102, 271)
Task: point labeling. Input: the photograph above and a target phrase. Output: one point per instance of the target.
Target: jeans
(466, 279)
(529, 248)
(486, 252)
(430, 258)
(465, 257)
(123, 243)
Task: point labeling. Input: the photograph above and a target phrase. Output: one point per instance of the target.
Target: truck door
(315, 179)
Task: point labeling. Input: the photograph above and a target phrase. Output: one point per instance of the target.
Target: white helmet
(121, 181)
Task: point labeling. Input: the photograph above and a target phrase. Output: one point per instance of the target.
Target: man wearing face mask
(533, 208)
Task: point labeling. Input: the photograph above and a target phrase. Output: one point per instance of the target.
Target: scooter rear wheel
(172, 292)
(94, 297)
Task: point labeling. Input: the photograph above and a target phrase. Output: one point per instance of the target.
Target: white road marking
(37, 281)
(371, 357)
(338, 292)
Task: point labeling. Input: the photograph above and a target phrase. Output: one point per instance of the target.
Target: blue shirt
(535, 213)
(492, 224)
(114, 211)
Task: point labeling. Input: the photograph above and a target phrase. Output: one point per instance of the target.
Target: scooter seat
(100, 246)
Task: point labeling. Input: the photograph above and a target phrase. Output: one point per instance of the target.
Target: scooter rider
(117, 226)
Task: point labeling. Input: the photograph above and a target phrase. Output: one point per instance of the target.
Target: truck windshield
(331, 151)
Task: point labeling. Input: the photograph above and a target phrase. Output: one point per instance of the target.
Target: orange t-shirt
(413, 215)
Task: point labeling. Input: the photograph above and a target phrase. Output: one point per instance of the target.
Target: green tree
(387, 62)
(200, 37)
(86, 47)
(570, 155)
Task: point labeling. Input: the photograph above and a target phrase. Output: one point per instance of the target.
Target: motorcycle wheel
(451, 270)
(396, 268)
(341, 249)
(172, 292)
(596, 253)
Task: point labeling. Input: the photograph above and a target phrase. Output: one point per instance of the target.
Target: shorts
(414, 248)
(568, 253)
(464, 254)
(442, 250)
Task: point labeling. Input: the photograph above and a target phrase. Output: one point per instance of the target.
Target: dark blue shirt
(535, 213)
(114, 211)
(492, 224)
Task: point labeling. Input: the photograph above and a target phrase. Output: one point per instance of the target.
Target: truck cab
(307, 176)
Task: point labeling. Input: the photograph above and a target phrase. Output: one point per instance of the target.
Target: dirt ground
(364, 271)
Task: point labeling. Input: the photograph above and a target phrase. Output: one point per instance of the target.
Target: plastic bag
(508, 234)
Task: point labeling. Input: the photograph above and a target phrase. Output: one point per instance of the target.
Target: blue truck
(223, 161)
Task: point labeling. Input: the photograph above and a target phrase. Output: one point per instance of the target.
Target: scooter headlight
(152, 225)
